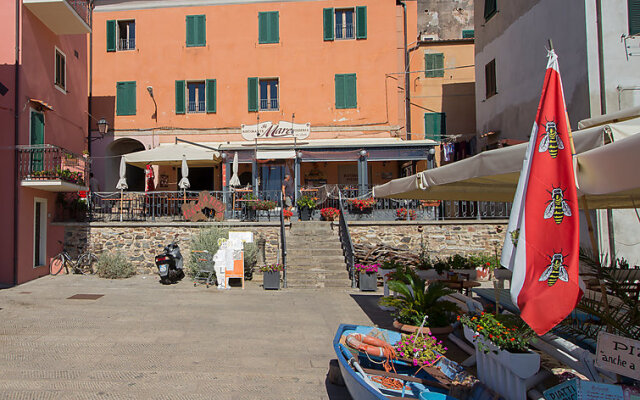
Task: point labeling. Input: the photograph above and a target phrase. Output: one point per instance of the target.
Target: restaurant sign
(618, 354)
(269, 130)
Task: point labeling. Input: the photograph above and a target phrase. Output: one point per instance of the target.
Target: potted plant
(415, 302)
(420, 349)
(403, 214)
(271, 276)
(362, 205)
(249, 206)
(367, 276)
(305, 204)
(287, 214)
(329, 213)
(484, 265)
(502, 352)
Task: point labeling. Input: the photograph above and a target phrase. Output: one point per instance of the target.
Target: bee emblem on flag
(558, 207)
(551, 140)
(514, 236)
(556, 270)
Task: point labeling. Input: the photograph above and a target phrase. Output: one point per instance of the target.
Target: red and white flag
(542, 243)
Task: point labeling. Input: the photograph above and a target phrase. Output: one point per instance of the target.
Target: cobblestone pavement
(142, 340)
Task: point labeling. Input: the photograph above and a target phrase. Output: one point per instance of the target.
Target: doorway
(39, 232)
(271, 177)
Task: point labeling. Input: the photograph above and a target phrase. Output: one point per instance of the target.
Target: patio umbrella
(184, 182)
(235, 181)
(122, 182)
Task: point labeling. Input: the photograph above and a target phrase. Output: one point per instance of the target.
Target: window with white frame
(127, 35)
(345, 23)
(268, 94)
(196, 97)
(60, 73)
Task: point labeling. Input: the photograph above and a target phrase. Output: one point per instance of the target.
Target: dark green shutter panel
(191, 30)
(131, 98)
(361, 22)
(351, 98)
(340, 91)
(274, 24)
(37, 137)
(328, 23)
(201, 30)
(428, 66)
(252, 85)
(211, 95)
(490, 8)
(439, 65)
(634, 17)
(434, 126)
(180, 104)
(263, 29)
(111, 35)
(126, 98)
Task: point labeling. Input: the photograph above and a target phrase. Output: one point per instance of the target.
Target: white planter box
(504, 372)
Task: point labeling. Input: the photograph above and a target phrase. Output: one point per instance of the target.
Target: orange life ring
(370, 345)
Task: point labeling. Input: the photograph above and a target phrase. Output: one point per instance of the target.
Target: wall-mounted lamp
(299, 154)
(363, 153)
(223, 155)
(432, 151)
(155, 112)
(103, 127)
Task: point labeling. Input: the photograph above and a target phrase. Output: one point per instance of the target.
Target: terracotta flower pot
(410, 328)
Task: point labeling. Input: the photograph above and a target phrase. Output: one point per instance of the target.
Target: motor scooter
(170, 264)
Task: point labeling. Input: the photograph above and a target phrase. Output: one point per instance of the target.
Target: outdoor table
(460, 285)
(246, 203)
(240, 192)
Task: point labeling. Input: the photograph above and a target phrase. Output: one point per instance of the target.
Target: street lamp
(430, 158)
(103, 127)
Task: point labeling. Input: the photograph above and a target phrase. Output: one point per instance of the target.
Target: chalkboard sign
(577, 389)
(618, 354)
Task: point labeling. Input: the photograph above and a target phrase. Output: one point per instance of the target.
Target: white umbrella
(122, 182)
(184, 182)
(235, 181)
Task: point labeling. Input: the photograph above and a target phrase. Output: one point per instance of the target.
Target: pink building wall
(65, 126)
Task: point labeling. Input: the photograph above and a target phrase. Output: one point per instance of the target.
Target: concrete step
(312, 251)
(316, 261)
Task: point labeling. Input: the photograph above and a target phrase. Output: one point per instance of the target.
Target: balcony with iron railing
(63, 17)
(127, 44)
(269, 104)
(51, 168)
(344, 31)
(196, 106)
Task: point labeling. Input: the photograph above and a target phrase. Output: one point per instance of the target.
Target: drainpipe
(407, 80)
(603, 111)
(91, 5)
(16, 140)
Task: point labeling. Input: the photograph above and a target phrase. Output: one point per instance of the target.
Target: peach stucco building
(206, 71)
(43, 114)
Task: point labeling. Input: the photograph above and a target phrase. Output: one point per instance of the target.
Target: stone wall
(141, 242)
(441, 238)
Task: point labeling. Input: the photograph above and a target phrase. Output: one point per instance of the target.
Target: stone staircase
(314, 256)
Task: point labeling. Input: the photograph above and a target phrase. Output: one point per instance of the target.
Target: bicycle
(82, 265)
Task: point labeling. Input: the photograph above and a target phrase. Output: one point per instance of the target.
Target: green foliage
(391, 264)
(207, 239)
(402, 274)
(457, 261)
(306, 201)
(414, 301)
(250, 255)
(421, 349)
(114, 266)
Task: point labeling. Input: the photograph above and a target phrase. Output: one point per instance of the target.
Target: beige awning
(171, 154)
(493, 175)
(275, 154)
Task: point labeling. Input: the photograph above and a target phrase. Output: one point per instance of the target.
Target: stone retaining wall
(141, 242)
(441, 239)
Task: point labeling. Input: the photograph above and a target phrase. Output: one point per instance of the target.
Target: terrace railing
(345, 241)
(82, 8)
(45, 162)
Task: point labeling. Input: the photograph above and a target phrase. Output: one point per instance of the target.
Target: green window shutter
(274, 24)
(263, 29)
(252, 86)
(468, 33)
(328, 23)
(434, 126)
(201, 30)
(180, 103)
(111, 35)
(196, 30)
(433, 65)
(634, 17)
(361, 22)
(125, 98)
(490, 8)
(340, 91)
(351, 98)
(211, 95)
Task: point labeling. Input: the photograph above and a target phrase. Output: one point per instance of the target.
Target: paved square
(145, 340)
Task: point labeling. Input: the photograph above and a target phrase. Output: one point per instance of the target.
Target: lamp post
(431, 154)
(363, 180)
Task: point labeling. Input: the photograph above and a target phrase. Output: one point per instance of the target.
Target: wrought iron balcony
(51, 168)
(63, 17)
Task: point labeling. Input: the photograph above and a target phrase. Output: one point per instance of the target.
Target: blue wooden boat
(362, 372)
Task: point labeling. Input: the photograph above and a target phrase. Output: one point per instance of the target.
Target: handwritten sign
(269, 130)
(576, 389)
(618, 354)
